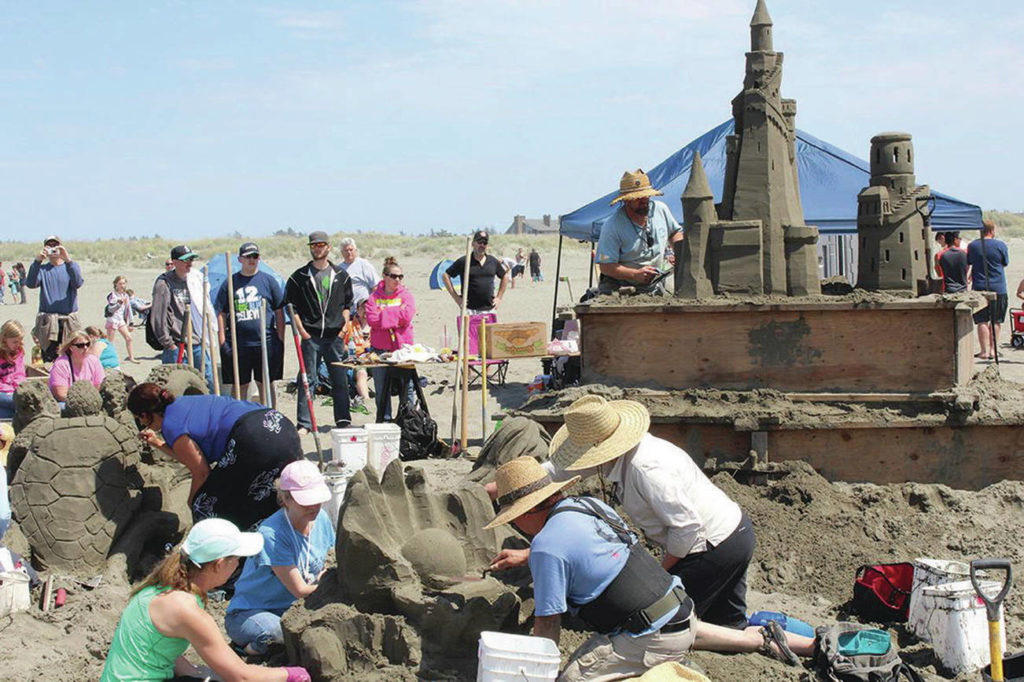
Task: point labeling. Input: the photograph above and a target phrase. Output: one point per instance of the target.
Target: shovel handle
(992, 604)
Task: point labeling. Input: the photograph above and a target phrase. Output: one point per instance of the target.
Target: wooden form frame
(912, 346)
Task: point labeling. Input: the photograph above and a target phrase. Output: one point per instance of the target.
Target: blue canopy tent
(216, 272)
(436, 279)
(830, 180)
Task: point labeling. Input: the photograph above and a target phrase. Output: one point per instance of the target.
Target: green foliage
(286, 246)
(1008, 224)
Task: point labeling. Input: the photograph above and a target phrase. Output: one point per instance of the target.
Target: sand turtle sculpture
(83, 400)
(34, 406)
(179, 380)
(77, 490)
(407, 550)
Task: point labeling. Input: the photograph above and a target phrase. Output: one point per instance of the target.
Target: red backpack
(881, 593)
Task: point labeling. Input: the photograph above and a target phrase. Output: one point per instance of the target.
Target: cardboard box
(516, 340)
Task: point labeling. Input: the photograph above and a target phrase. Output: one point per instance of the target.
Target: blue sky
(203, 118)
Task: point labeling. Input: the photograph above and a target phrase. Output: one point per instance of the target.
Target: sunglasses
(253, 256)
(480, 241)
(317, 245)
(81, 345)
(395, 276)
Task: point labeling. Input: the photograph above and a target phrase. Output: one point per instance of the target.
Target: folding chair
(496, 369)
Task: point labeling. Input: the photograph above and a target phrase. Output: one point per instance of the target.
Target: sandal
(774, 634)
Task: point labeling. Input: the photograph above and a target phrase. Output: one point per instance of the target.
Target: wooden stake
(482, 345)
(462, 336)
(187, 328)
(236, 389)
(202, 328)
(265, 377)
(214, 351)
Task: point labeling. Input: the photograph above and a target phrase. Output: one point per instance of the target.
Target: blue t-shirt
(998, 257)
(258, 587)
(249, 291)
(108, 358)
(574, 558)
(58, 285)
(207, 419)
(623, 241)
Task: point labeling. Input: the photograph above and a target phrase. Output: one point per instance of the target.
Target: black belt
(675, 599)
(678, 626)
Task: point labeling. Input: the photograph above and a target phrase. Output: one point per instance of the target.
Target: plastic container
(337, 481)
(348, 448)
(957, 626)
(14, 592)
(1013, 669)
(797, 627)
(382, 444)
(516, 658)
(928, 573)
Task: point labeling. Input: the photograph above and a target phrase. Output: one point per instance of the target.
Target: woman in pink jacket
(389, 312)
(12, 364)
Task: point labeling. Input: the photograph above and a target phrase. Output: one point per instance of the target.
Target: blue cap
(212, 539)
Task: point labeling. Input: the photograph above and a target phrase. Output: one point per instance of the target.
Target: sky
(194, 119)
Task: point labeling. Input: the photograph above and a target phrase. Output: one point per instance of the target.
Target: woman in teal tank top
(165, 614)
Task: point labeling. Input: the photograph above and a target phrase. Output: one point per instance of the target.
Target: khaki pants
(620, 657)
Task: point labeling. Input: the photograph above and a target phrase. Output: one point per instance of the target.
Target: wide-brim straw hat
(671, 671)
(522, 485)
(597, 431)
(635, 185)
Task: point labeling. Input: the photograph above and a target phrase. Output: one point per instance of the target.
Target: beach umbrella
(437, 278)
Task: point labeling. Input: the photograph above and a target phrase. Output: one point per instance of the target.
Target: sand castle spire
(697, 186)
(761, 29)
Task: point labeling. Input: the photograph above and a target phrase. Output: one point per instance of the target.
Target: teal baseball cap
(212, 539)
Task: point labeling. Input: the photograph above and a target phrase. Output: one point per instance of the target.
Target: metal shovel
(992, 608)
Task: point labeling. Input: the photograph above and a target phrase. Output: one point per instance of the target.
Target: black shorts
(996, 309)
(518, 270)
(250, 364)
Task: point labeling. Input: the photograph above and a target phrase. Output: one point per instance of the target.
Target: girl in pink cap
(296, 540)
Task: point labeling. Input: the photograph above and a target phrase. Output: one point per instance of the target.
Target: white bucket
(927, 573)
(14, 592)
(957, 626)
(337, 481)
(516, 658)
(348, 448)
(383, 443)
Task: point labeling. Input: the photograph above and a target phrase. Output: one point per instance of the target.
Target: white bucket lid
(962, 589)
(943, 565)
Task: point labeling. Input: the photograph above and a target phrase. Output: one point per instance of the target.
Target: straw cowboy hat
(522, 485)
(635, 185)
(597, 431)
(671, 672)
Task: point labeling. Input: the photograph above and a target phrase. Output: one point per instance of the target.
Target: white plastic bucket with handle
(383, 444)
(348, 448)
(928, 573)
(956, 624)
(14, 592)
(337, 480)
(516, 658)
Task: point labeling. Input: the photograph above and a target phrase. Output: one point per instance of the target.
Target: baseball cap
(318, 236)
(249, 249)
(51, 238)
(212, 539)
(480, 236)
(305, 483)
(182, 252)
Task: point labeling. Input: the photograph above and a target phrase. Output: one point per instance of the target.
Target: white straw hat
(522, 485)
(597, 431)
(635, 185)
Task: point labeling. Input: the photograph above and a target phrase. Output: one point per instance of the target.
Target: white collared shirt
(667, 495)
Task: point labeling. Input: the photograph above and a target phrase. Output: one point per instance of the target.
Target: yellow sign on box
(516, 340)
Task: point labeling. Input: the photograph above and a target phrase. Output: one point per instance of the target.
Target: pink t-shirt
(12, 373)
(60, 373)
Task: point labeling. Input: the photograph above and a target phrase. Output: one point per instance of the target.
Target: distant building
(523, 225)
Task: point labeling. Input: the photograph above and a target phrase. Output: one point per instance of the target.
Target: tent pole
(590, 283)
(558, 273)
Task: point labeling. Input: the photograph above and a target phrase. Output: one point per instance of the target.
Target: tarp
(830, 180)
(436, 279)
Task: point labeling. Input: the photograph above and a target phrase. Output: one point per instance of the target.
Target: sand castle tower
(890, 223)
(761, 175)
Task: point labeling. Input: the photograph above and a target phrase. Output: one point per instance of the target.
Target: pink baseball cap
(305, 483)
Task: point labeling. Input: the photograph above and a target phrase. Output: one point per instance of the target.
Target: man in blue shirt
(988, 257)
(584, 559)
(59, 280)
(631, 250)
(251, 288)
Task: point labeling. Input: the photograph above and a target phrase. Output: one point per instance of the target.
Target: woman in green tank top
(165, 614)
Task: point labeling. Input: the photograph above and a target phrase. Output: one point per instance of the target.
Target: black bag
(419, 430)
(109, 309)
(881, 593)
(839, 664)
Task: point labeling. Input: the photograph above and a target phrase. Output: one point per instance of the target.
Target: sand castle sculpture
(755, 241)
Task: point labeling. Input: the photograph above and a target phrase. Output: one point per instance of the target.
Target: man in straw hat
(631, 251)
(583, 557)
(708, 540)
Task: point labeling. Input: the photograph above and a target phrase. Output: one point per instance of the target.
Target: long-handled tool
(482, 345)
(305, 385)
(236, 388)
(202, 329)
(263, 354)
(208, 323)
(186, 329)
(463, 323)
(993, 605)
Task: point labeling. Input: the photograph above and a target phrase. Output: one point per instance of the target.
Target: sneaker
(303, 431)
(359, 408)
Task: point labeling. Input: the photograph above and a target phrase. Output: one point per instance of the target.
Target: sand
(812, 534)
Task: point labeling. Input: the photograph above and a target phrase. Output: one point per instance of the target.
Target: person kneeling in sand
(584, 558)
(296, 540)
(166, 615)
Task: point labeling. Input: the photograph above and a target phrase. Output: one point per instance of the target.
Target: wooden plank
(796, 304)
(837, 350)
(969, 457)
(963, 338)
(825, 396)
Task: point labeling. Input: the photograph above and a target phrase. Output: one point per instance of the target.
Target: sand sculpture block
(691, 267)
(33, 399)
(179, 379)
(736, 257)
(83, 399)
(802, 261)
(76, 491)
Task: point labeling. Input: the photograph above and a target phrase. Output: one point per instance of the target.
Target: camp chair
(496, 369)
